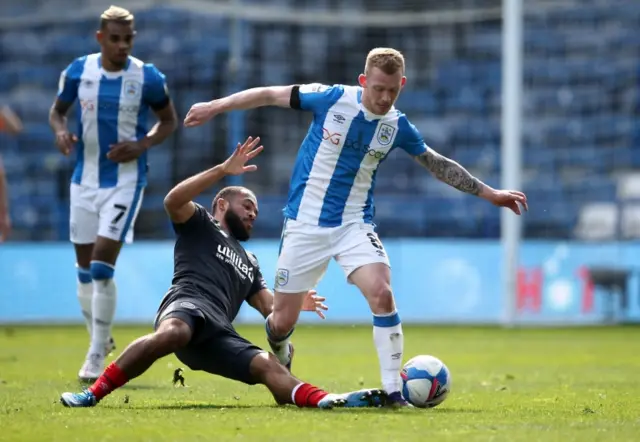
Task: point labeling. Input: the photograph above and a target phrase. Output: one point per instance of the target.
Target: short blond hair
(388, 60)
(115, 14)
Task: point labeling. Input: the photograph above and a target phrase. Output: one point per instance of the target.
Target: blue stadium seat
(400, 212)
(15, 167)
(160, 163)
(591, 188)
(538, 157)
(451, 75)
(414, 100)
(393, 182)
(487, 43)
(542, 41)
(468, 100)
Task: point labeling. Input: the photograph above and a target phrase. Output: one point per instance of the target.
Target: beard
(235, 225)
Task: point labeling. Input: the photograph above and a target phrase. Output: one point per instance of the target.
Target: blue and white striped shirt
(335, 171)
(114, 107)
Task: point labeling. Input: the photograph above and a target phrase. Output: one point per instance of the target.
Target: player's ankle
(274, 334)
(111, 379)
(307, 395)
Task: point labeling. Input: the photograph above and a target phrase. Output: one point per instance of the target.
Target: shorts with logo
(215, 347)
(107, 212)
(306, 249)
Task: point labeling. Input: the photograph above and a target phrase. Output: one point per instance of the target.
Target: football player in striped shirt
(115, 92)
(329, 212)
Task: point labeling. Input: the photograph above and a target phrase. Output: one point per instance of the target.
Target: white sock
(85, 296)
(293, 392)
(103, 307)
(279, 345)
(389, 341)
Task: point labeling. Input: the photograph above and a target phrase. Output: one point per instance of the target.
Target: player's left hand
(314, 303)
(511, 199)
(236, 163)
(125, 151)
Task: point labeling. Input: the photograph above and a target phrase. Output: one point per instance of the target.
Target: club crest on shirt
(132, 89)
(385, 134)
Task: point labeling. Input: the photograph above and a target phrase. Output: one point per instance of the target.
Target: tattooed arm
(452, 173)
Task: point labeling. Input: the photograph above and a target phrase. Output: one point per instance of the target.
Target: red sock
(307, 395)
(112, 377)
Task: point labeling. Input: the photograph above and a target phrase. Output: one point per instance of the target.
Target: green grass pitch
(579, 384)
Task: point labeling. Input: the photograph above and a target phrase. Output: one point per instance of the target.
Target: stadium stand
(580, 128)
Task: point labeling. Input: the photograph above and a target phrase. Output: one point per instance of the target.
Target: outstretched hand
(200, 113)
(511, 199)
(236, 163)
(314, 303)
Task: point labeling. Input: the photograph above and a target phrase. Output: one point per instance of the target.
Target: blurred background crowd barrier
(580, 135)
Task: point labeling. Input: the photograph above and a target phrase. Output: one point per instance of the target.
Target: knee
(101, 270)
(380, 298)
(173, 334)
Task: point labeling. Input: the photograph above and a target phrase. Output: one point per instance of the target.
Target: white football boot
(92, 368)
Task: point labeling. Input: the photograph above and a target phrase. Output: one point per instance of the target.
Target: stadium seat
(630, 223)
(629, 186)
(597, 221)
(418, 100)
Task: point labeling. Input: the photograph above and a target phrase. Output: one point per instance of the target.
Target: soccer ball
(426, 381)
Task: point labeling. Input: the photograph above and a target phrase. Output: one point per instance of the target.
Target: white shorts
(110, 213)
(305, 252)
